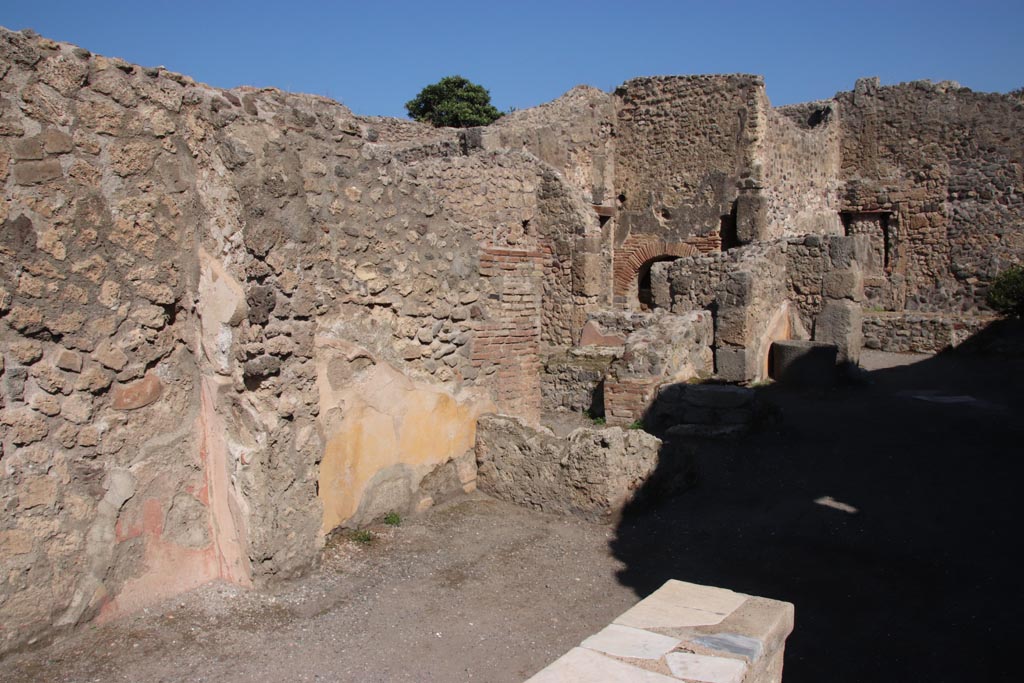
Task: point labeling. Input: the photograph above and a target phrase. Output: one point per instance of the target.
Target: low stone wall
(919, 332)
(683, 631)
(702, 410)
(572, 378)
(671, 348)
(592, 472)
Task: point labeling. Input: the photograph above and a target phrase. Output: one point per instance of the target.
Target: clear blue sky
(374, 56)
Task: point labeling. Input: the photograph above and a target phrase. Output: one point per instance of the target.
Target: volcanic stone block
(844, 284)
(751, 216)
(804, 363)
(840, 323)
(734, 364)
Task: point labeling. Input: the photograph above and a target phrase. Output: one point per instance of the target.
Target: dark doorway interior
(643, 281)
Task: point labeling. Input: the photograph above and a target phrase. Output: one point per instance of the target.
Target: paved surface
(892, 523)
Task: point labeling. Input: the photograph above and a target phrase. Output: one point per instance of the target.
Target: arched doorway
(643, 281)
(636, 254)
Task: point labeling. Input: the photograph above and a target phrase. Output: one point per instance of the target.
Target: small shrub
(363, 536)
(392, 519)
(599, 421)
(1006, 293)
(637, 424)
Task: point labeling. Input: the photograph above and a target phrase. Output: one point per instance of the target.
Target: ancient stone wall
(573, 134)
(771, 290)
(664, 348)
(910, 332)
(573, 379)
(233, 320)
(592, 473)
(683, 143)
(685, 146)
(801, 161)
(945, 164)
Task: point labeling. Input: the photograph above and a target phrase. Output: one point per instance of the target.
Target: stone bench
(683, 632)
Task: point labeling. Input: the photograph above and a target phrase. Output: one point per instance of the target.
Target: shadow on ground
(918, 579)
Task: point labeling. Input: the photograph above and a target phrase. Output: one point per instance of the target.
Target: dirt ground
(478, 590)
(887, 510)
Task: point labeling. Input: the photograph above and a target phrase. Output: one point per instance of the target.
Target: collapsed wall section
(573, 134)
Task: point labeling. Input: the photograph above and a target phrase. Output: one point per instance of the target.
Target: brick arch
(638, 250)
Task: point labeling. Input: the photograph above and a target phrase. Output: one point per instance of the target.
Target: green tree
(453, 101)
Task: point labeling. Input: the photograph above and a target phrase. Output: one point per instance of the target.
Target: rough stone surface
(839, 323)
(666, 348)
(594, 472)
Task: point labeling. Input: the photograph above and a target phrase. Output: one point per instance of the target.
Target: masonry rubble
(235, 320)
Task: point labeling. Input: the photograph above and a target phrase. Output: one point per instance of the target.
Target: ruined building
(235, 320)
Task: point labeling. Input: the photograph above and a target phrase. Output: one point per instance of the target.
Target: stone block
(26, 352)
(690, 666)
(36, 172)
(24, 427)
(844, 284)
(626, 641)
(732, 326)
(77, 408)
(698, 633)
(718, 396)
(109, 356)
(262, 366)
(14, 382)
(57, 142)
(593, 472)
(803, 363)
(734, 364)
(581, 665)
(27, 149)
(843, 250)
(679, 604)
(751, 216)
(69, 360)
(736, 289)
(840, 323)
